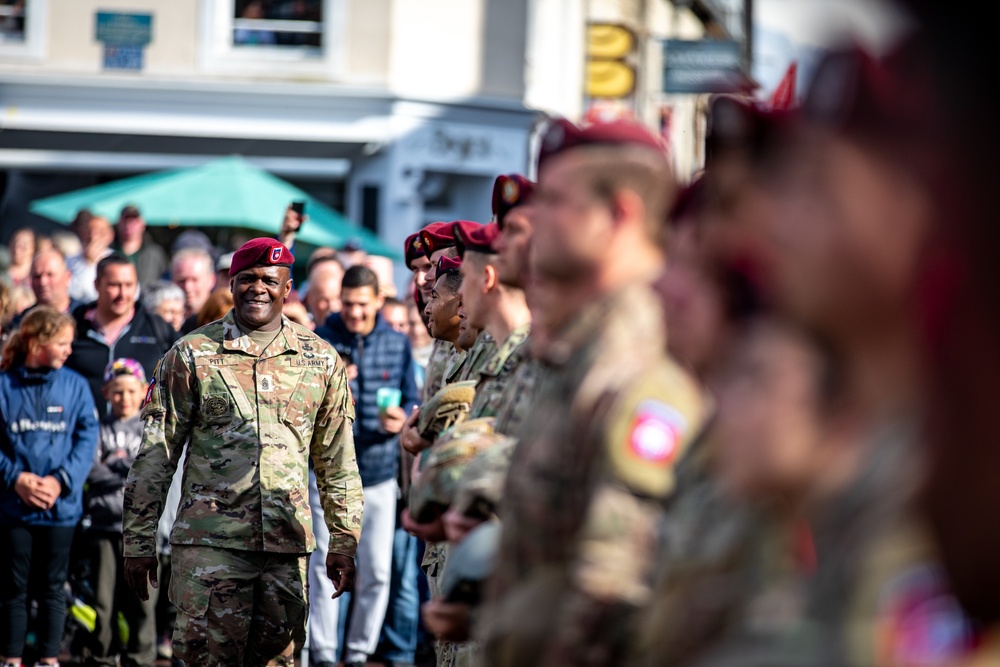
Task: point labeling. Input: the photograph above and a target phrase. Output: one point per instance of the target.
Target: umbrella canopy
(228, 192)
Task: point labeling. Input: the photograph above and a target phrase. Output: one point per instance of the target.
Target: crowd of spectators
(121, 300)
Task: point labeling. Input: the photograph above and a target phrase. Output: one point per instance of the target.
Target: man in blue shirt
(377, 358)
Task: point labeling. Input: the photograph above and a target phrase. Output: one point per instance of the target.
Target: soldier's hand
(450, 621)
(340, 569)
(139, 570)
(410, 438)
(428, 532)
(458, 525)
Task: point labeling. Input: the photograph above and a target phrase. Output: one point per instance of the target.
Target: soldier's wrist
(139, 552)
(345, 546)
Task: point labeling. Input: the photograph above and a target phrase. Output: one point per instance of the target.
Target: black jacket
(146, 338)
(104, 494)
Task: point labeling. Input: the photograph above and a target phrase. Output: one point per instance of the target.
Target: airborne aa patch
(656, 433)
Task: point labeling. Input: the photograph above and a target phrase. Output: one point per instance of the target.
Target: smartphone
(300, 207)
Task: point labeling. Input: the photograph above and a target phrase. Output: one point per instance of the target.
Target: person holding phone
(295, 217)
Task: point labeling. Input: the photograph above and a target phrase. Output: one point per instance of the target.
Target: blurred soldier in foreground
(259, 397)
(716, 548)
(846, 163)
(960, 309)
(586, 483)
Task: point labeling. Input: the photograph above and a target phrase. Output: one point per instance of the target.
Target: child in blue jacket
(48, 434)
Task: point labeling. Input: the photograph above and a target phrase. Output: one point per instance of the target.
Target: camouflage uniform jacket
(254, 421)
(496, 373)
(474, 361)
(877, 597)
(442, 356)
(727, 568)
(518, 399)
(584, 496)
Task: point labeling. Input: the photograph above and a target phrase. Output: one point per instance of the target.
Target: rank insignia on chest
(216, 406)
(266, 383)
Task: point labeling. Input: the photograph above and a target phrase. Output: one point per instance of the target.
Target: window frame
(35, 43)
(218, 53)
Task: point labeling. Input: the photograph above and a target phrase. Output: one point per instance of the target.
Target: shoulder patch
(149, 392)
(919, 622)
(648, 428)
(656, 432)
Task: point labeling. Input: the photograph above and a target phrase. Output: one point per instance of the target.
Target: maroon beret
(475, 237)
(436, 236)
(562, 135)
(510, 190)
(855, 92)
(413, 248)
(260, 252)
(737, 124)
(447, 265)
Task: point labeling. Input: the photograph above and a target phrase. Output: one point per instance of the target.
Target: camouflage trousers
(449, 654)
(238, 608)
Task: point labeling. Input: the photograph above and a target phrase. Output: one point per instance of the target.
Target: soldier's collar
(236, 341)
(515, 340)
(631, 307)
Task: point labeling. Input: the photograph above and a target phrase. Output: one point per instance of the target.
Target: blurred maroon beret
(448, 265)
(475, 237)
(562, 135)
(260, 252)
(510, 190)
(436, 236)
(858, 93)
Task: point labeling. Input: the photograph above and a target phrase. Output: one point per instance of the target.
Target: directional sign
(702, 66)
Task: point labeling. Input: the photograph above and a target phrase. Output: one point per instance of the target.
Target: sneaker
(10, 663)
(47, 664)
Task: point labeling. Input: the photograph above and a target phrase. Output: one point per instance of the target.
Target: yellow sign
(609, 40)
(609, 72)
(609, 78)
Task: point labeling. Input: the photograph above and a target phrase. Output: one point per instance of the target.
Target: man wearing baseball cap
(149, 258)
(256, 398)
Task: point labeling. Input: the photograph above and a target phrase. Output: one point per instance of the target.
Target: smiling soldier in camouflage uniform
(256, 397)
(500, 310)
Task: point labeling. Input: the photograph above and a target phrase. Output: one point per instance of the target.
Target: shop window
(278, 23)
(22, 28)
(251, 36)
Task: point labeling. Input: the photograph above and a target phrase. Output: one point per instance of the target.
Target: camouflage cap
(442, 466)
(480, 488)
(448, 407)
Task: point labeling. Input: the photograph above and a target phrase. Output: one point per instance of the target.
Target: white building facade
(398, 112)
